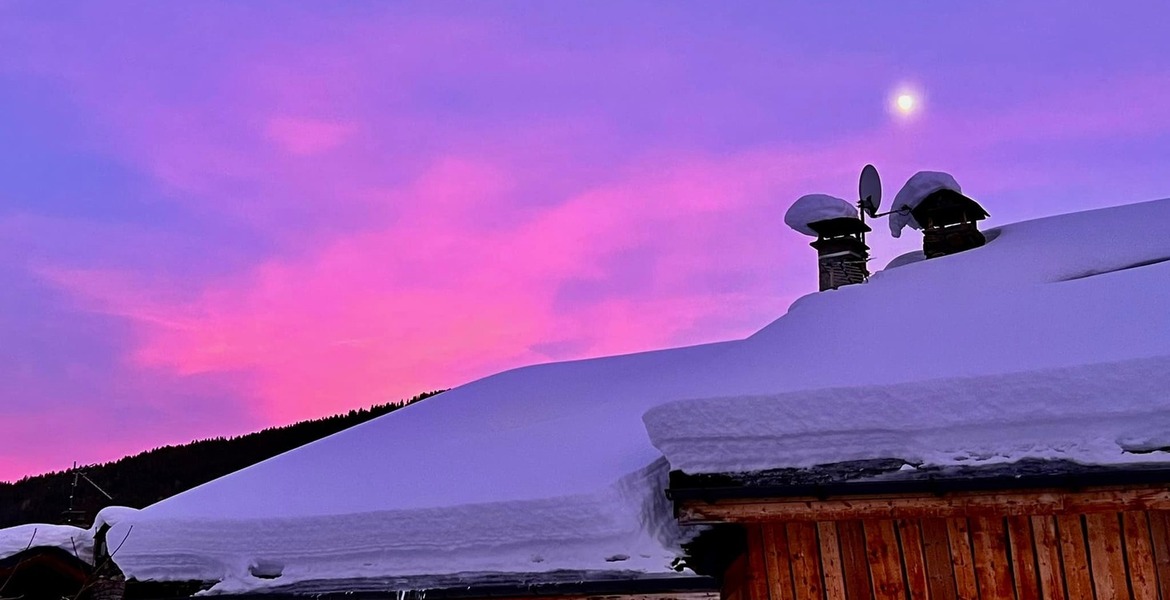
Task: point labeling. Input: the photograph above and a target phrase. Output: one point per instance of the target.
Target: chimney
(949, 223)
(840, 233)
(841, 251)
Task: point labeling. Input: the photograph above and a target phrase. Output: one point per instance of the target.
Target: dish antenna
(870, 189)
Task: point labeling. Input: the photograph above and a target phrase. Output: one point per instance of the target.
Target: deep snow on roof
(811, 208)
(75, 540)
(913, 192)
(550, 467)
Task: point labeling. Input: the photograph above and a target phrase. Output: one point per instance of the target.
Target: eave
(1084, 490)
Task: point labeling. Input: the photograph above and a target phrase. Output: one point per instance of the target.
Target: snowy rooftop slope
(531, 471)
(1106, 413)
(550, 467)
(1053, 341)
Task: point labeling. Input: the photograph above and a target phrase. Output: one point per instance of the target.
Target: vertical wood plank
(1023, 557)
(1105, 555)
(885, 561)
(831, 560)
(1074, 557)
(757, 564)
(735, 579)
(910, 538)
(1160, 536)
(1048, 558)
(854, 560)
(806, 560)
(989, 549)
(939, 572)
(959, 538)
(778, 563)
(1139, 556)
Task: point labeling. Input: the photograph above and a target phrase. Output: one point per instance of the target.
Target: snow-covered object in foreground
(548, 468)
(14, 540)
(816, 207)
(917, 188)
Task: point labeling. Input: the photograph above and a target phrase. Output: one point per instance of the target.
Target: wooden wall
(1096, 556)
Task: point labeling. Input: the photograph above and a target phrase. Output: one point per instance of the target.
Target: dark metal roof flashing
(886, 476)
(556, 583)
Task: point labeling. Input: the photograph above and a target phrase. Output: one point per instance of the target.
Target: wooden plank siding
(962, 562)
(885, 560)
(940, 573)
(830, 548)
(1048, 566)
(1074, 556)
(1139, 556)
(989, 551)
(779, 562)
(913, 559)
(1093, 556)
(854, 560)
(806, 557)
(1106, 558)
(1160, 536)
(905, 506)
(1022, 549)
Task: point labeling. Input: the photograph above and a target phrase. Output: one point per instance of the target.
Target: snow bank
(550, 467)
(75, 540)
(1107, 413)
(917, 188)
(14, 540)
(816, 207)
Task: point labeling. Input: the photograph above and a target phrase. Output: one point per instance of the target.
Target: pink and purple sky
(216, 217)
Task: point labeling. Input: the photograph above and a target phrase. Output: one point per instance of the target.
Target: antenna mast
(73, 515)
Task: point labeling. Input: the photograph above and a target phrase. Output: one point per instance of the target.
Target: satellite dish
(870, 189)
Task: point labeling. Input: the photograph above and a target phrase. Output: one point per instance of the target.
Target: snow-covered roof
(1112, 412)
(916, 189)
(74, 540)
(1050, 341)
(14, 540)
(816, 207)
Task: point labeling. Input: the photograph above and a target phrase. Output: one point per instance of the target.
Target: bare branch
(128, 530)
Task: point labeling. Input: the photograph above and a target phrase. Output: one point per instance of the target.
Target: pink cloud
(412, 249)
(439, 297)
(306, 137)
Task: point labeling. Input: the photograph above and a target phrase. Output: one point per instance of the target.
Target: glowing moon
(906, 103)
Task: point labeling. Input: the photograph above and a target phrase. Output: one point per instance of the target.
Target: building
(1031, 529)
(1020, 383)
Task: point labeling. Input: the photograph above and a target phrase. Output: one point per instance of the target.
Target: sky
(217, 217)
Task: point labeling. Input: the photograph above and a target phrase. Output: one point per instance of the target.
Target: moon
(906, 103)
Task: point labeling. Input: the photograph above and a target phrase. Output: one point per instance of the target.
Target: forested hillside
(146, 478)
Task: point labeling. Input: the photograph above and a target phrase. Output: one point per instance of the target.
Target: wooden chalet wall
(1092, 555)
